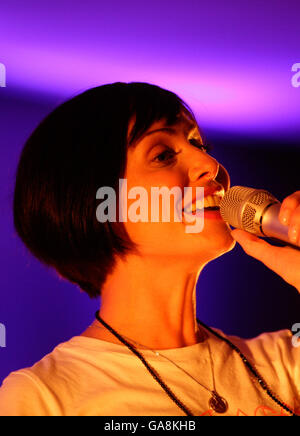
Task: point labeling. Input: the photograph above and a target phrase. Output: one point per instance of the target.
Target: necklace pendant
(218, 403)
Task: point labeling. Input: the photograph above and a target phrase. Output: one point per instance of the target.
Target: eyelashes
(168, 155)
(207, 146)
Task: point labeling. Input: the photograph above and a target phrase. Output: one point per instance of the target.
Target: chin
(219, 243)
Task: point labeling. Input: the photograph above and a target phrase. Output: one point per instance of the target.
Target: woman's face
(172, 156)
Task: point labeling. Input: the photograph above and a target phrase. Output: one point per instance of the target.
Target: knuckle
(292, 200)
(295, 218)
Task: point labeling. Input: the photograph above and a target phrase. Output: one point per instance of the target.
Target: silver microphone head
(244, 207)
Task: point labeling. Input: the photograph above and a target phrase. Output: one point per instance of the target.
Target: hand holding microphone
(256, 212)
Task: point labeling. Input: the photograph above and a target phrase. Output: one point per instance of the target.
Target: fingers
(290, 215)
(253, 245)
(294, 229)
(288, 206)
(284, 261)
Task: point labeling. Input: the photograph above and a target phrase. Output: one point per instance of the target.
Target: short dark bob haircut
(78, 148)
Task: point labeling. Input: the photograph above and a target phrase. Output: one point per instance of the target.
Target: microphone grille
(248, 218)
(239, 206)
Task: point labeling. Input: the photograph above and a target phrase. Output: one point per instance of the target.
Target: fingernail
(285, 217)
(293, 234)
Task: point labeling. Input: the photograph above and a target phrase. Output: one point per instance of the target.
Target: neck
(151, 302)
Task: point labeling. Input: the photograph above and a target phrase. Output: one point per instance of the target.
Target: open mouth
(212, 208)
(210, 202)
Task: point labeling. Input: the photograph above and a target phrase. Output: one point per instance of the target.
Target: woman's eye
(168, 155)
(198, 144)
(165, 156)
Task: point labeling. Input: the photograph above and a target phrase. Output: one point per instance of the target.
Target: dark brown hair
(78, 148)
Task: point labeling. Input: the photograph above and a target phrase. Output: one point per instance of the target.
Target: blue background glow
(230, 61)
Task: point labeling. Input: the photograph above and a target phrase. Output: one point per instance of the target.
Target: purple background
(231, 61)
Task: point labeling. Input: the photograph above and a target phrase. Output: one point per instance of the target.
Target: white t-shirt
(91, 377)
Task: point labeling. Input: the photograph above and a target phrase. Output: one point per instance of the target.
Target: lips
(216, 190)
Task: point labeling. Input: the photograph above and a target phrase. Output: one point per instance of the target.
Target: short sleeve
(22, 394)
(277, 354)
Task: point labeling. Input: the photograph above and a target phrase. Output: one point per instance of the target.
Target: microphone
(256, 211)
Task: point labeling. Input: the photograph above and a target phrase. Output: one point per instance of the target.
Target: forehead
(184, 123)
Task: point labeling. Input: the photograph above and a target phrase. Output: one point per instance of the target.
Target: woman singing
(146, 353)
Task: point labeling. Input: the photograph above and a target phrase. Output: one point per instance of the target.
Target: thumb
(253, 245)
(243, 237)
(284, 261)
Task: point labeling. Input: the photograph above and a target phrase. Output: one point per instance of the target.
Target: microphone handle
(272, 227)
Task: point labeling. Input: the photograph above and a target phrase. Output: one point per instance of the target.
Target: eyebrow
(163, 129)
(169, 130)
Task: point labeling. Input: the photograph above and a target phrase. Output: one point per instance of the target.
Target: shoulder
(267, 345)
(22, 394)
(45, 388)
(278, 352)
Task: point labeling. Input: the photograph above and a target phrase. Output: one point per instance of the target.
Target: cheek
(142, 204)
(140, 180)
(140, 186)
(223, 177)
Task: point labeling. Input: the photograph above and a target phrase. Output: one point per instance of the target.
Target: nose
(203, 167)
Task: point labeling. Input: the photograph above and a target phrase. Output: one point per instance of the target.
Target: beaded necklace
(169, 392)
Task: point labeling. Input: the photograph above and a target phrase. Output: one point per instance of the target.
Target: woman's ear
(223, 177)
